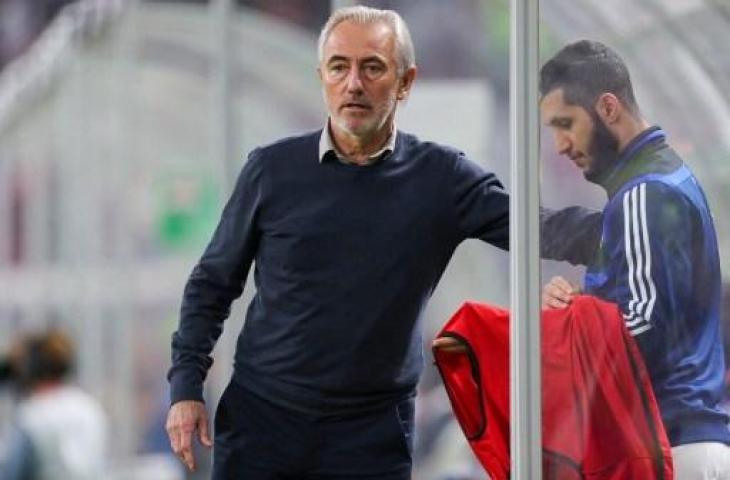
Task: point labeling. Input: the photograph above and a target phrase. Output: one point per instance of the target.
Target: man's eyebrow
(557, 119)
(373, 58)
(342, 58)
(337, 58)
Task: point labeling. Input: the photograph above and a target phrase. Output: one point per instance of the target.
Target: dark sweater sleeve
(482, 205)
(572, 234)
(217, 280)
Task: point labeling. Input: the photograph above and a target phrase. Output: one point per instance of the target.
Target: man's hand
(183, 419)
(449, 345)
(558, 293)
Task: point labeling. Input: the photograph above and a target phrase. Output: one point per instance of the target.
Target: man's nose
(562, 144)
(354, 82)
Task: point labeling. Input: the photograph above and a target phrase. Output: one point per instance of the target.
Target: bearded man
(658, 258)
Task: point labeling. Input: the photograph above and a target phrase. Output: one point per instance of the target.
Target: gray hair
(405, 53)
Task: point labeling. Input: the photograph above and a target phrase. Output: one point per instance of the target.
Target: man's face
(579, 135)
(359, 76)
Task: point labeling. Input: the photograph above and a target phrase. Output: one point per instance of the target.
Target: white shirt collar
(326, 145)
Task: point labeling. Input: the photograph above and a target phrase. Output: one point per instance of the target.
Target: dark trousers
(256, 440)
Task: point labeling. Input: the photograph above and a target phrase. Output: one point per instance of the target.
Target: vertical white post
(525, 388)
(223, 138)
(224, 156)
(121, 321)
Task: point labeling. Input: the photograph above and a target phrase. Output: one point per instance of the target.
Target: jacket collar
(636, 159)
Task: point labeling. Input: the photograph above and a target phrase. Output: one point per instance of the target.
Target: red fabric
(600, 418)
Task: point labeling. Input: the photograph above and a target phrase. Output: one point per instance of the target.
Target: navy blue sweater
(346, 258)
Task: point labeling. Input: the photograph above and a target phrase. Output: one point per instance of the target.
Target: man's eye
(338, 68)
(373, 69)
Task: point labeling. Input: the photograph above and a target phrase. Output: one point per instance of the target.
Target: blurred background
(123, 125)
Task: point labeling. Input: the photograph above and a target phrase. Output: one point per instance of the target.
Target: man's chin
(594, 175)
(356, 129)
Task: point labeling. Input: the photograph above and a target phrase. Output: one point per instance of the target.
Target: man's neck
(359, 149)
(629, 131)
(45, 387)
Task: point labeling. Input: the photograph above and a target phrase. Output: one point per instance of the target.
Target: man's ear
(608, 107)
(406, 83)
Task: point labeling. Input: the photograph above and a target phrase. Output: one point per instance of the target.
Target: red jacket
(600, 418)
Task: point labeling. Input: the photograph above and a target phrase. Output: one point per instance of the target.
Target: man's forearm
(572, 234)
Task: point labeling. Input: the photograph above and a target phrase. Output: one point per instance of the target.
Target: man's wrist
(180, 390)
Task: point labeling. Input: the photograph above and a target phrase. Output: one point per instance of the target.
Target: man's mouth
(579, 160)
(355, 106)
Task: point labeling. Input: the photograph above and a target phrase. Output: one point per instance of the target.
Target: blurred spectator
(20, 23)
(59, 431)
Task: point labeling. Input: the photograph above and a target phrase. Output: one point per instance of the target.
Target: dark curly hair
(585, 70)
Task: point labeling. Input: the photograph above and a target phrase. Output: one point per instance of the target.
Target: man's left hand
(449, 345)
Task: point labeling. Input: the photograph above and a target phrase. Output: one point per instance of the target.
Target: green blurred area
(187, 211)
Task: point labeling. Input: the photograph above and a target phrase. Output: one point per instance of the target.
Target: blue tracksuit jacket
(658, 260)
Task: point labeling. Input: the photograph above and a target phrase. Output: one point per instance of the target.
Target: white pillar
(526, 431)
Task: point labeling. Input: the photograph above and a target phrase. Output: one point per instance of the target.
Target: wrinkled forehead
(355, 40)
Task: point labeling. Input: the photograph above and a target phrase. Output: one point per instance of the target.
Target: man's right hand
(183, 419)
(558, 293)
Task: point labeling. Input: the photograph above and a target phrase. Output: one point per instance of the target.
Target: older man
(350, 228)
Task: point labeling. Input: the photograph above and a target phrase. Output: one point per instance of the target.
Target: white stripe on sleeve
(638, 257)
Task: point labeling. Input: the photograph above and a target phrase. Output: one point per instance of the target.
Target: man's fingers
(549, 301)
(557, 293)
(204, 432)
(179, 448)
(563, 286)
(449, 345)
(173, 433)
(443, 342)
(184, 419)
(560, 294)
(188, 459)
(186, 448)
